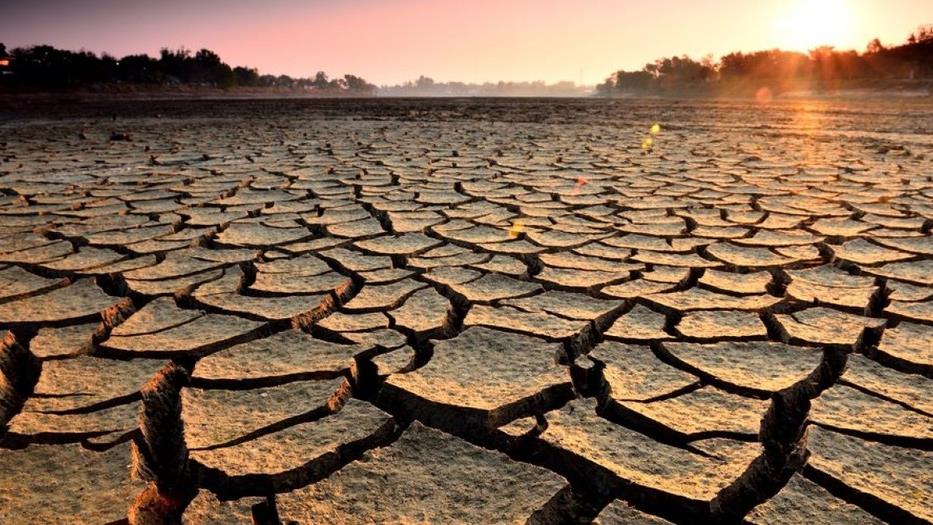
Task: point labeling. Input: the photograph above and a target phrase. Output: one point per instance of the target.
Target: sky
(391, 41)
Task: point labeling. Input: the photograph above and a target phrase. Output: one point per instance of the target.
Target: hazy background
(390, 41)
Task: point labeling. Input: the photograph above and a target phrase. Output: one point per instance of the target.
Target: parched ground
(466, 311)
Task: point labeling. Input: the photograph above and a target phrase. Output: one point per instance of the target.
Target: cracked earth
(466, 312)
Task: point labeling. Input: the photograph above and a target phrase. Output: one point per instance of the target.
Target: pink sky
(390, 41)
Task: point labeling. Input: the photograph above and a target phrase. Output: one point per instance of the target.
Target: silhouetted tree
(320, 80)
(207, 68)
(175, 65)
(636, 80)
(243, 76)
(284, 81)
(358, 85)
(924, 34)
(139, 69)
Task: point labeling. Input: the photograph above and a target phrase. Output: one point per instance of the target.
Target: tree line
(45, 67)
(428, 87)
(823, 67)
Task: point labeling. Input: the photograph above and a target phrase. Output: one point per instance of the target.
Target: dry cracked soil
(466, 311)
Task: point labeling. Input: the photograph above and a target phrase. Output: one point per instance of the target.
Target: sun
(812, 23)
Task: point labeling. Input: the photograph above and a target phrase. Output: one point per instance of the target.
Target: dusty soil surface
(466, 311)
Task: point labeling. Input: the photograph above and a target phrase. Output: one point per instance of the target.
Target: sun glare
(813, 23)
